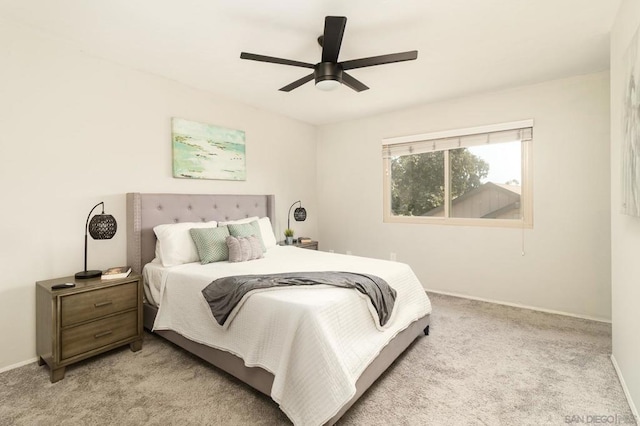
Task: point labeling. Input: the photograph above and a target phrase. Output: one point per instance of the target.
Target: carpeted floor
(483, 364)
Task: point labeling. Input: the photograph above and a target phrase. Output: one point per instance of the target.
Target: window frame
(526, 196)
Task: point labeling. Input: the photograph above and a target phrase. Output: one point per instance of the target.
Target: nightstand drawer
(86, 337)
(89, 305)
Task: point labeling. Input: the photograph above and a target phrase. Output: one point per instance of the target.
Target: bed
(288, 378)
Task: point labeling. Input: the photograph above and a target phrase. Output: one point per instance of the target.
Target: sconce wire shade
(300, 214)
(102, 227)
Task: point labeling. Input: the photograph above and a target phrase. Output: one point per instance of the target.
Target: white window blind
(443, 141)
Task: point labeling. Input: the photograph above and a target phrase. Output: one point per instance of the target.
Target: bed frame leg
(426, 331)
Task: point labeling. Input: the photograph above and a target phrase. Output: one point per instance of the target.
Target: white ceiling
(465, 46)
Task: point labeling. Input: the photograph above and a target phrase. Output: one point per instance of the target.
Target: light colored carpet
(483, 364)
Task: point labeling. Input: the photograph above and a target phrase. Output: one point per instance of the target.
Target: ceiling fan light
(327, 85)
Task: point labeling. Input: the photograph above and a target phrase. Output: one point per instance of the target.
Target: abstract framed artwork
(205, 151)
(630, 152)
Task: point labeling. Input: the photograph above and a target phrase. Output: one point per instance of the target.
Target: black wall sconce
(101, 227)
(299, 214)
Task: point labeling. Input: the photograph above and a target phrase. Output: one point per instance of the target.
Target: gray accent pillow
(242, 249)
(246, 230)
(211, 243)
(256, 248)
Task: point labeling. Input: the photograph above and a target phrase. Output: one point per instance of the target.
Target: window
(479, 176)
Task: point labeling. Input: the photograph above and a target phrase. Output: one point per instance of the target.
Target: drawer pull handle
(101, 304)
(104, 333)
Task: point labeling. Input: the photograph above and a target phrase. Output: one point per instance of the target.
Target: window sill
(488, 223)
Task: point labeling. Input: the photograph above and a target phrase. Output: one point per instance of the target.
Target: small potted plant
(288, 233)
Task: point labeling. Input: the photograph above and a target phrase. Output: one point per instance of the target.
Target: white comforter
(316, 341)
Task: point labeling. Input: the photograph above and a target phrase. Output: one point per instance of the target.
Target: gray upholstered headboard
(144, 211)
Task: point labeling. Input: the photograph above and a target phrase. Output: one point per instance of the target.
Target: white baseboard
(19, 364)
(634, 410)
(517, 305)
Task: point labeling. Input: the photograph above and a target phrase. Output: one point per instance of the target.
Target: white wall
(76, 130)
(625, 230)
(567, 264)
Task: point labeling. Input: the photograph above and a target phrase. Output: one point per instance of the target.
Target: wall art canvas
(205, 151)
(630, 170)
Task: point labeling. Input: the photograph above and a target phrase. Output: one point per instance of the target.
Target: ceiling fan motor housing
(327, 71)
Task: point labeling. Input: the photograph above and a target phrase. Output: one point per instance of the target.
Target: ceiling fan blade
(379, 60)
(297, 83)
(332, 37)
(271, 59)
(356, 85)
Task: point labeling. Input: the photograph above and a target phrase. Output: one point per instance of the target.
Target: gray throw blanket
(223, 294)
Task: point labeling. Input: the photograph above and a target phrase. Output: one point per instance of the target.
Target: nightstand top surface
(297, 244)
(82, 284)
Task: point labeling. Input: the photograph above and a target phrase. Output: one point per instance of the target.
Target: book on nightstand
(116, 272)
(304, 240)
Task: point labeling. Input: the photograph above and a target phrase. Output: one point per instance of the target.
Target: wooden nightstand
(311, 245)
(93, 317)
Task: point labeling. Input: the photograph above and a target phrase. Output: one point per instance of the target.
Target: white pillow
(268, 236)
(175, 245)
(239, 221)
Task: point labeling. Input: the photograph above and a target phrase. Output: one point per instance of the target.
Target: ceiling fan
(329, 73)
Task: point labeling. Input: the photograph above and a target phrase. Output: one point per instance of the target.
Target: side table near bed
(311, 245)
(93, 317)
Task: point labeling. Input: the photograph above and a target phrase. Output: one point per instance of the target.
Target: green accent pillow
(211, 243)
(246, 230)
